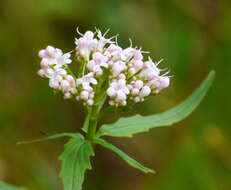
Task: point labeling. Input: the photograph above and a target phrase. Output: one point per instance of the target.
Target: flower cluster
(104, 70)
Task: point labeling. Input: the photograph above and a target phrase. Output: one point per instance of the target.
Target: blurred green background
(192, 36)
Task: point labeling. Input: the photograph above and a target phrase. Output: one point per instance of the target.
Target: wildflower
(105, 71)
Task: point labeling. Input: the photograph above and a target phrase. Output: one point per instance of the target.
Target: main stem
(93, 120)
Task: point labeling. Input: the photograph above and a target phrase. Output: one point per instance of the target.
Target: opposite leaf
(4, 186)
(126, 127)
(123, 155)
(75, 161)
(55, 136)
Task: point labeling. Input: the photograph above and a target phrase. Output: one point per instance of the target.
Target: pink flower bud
(67, 95)
(135, 91)
(138, 64)
(91, 95)
(137, 99)
(164, 82)
(111, 92)
(42, 53)
(65, 85)
(73, 90)
(90, 102)
(70, 79)
(99, 58)
(132, 71)
(54, 84)
(41, 73)
(50, 50)
(151, 75)
(84, 95)
(137, 55)
(89, 35)
(145, 91)
(138, 84)
(44, 63)
(62, 72)
(111, 102)
(121, 96)
(50, 72)
(90, 65)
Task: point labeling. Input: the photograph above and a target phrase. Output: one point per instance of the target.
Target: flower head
(105, 70)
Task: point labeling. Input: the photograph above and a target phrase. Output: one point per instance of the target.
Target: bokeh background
(192, 36)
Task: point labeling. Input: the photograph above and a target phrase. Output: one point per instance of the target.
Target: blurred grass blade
(75, 161)
(126, 127)
(4, 186)
(49, 138)
(123, 155)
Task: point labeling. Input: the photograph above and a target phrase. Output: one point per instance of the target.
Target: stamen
(77, 29)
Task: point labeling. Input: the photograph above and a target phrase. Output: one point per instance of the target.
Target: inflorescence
(105, 71)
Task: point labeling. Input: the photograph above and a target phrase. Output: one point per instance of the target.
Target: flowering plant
(108, 78)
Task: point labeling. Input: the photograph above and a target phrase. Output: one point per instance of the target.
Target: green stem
(93, 120)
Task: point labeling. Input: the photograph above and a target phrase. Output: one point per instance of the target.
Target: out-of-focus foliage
(192, 36)
(4, 186)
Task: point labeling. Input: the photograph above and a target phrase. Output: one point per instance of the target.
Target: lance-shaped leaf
(123, 155)
(126, 127)
(55, 136)
(4, 186)
(75, 161)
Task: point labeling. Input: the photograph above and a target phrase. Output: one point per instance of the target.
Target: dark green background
(193, 37)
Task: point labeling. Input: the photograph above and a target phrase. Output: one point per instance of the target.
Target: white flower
(118, 67)
(118, 90)
(98, 61)
(103, 68)
(86, 80)
(102, 40)
(54, 56)
(86, 44)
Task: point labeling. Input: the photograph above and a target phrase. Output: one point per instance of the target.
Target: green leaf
(126, 127)
(123, 155)
(50, 138)
(75, 161)
(4, 186)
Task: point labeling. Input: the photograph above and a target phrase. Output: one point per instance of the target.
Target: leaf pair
(76, 160)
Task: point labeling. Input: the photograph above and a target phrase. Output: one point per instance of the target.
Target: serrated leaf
(123, 155)
(49, 138)
(75, 161)
(4, 186)
(126, 127)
